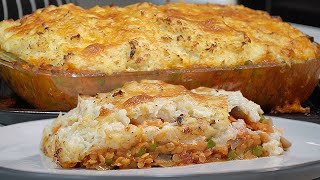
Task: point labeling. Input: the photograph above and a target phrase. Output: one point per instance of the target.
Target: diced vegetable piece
(153, 146)
(211, 143)
(261, 118)
(141, 152)
(109, 161)
(232, 154)
(257, 151)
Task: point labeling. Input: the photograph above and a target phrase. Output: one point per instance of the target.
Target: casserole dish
(270, 85)
(50, 59)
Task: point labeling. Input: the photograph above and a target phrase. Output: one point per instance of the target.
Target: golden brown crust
(144, 37)
(134, 93)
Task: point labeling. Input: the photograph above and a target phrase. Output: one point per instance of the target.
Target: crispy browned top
(145, 36)
(134, 93)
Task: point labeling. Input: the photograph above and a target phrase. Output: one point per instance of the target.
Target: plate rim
(313, 166)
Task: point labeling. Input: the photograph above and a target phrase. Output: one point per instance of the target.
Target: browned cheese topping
(146, 37)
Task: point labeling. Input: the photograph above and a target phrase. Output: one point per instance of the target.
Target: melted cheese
(146, 37)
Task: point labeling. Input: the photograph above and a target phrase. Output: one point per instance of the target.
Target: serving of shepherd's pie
(152, 123)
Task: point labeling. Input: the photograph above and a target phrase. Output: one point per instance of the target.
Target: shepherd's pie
(152, 123)
(146, 37)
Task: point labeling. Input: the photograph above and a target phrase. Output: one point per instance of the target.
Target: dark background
(305, 12)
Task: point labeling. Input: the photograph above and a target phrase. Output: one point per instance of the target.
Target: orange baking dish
(270, 85)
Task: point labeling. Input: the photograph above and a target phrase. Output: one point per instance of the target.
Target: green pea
(232, 154)
(141, 152)
(261, 118)
(211, 144)
(153, 146)
(257, 151)
(109, 161)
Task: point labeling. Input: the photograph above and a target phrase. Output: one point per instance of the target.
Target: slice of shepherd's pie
(152, 123)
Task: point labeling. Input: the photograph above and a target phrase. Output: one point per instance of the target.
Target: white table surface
(311, 31)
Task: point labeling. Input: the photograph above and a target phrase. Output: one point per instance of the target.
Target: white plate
(20, 156)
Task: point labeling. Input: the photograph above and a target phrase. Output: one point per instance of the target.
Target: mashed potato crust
(146, 37)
